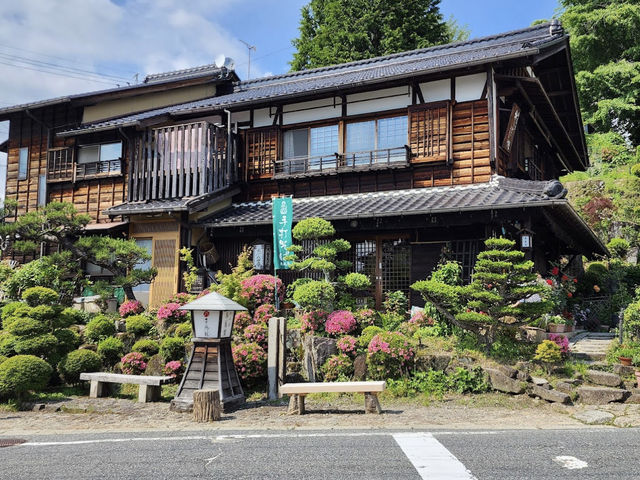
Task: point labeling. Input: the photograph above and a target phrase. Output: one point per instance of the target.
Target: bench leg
(371, 403)
(296, 405)
(149, 393)
(97, 389)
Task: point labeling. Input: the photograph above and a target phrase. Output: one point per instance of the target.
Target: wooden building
(407, 154)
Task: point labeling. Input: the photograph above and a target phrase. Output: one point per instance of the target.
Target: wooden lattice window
(262, 152)
(430, 132)
(465, 252)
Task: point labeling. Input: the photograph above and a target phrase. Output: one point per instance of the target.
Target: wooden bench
(150, 387)
(299, 390)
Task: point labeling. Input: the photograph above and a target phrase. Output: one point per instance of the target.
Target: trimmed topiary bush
(340, 322)
(7, 344)
(99, 327)
(35, 296)
(133, 363)
(2, 358)
(110, 350)
(40, 346)
(146, 346)
(172, 348)
(367, 334)
(77, 362)
(263, 313)
(250, 360)
(389, 355)
(338, 368)
(22, 373)
(138, 325)
(183, 330)
(68, 340)
(315, 295)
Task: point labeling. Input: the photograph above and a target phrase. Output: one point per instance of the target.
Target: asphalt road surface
(602, 453)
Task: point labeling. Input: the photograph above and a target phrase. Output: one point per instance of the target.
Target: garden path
(591, 346)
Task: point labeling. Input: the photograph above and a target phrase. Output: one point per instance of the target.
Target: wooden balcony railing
(62, 168)
(339, 162)
(95, 169)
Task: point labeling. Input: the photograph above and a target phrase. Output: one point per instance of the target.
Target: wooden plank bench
(299, 390)
(149, 391)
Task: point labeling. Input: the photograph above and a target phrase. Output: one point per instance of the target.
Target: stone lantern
(211, 362)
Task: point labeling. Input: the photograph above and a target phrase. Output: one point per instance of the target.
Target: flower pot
(568, 328)
(556, 327)
(625, 361)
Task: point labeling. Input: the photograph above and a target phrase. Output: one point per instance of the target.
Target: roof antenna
(135, 77)
(249, 48)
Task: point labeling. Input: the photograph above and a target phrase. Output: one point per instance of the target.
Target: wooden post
(282, 353)
(272, 358)
(371, 403)
(206, 405)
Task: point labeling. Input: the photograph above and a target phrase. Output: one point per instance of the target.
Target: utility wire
(58, 73)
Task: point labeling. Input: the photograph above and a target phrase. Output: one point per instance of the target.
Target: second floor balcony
(63, 165)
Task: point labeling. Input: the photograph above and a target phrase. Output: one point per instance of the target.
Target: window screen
(110, 151)
(323, 140)
(296, 143)
(42, 190)
(361, 136)
(89, 154)
(392, 132)
(23, 163)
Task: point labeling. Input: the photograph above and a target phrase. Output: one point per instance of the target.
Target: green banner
(282, 209)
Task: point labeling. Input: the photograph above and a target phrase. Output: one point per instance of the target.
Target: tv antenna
(249, 48)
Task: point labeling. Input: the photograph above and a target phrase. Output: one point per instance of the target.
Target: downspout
(229, 148)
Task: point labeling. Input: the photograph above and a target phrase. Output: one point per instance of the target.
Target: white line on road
(571, 463)
(430, 458)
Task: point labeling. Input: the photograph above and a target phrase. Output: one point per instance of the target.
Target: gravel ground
(487, 411)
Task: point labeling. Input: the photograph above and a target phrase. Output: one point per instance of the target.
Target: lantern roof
(213, 301)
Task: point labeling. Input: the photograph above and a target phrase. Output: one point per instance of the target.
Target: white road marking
(430, 458)
(571, 463)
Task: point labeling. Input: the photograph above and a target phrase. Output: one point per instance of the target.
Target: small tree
(504, 293)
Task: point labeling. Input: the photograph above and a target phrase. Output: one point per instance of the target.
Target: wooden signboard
(511, 128)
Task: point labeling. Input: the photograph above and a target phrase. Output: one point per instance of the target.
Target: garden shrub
(340, 322)
(396, 302)
(130, 307)
(23, 373)
(390, 355)
(313, 321)
(99, 327)
(172, 348)
(71, 316)
(259, 289)
(171, 313)
(315, 295)
(183, 330)
(35, 296)
(463, 380)
(8, 311)
(357, 281)
(338, 368)
(77, 362)
(7, 344)
(68, 340)
(548, 352)
(2, 358)
(133, 363)
(146, 346)
(250, 360)
(28, 327)
(256, 333)
(110, 350)
(365, 317)
(347, 345)
(182, 298)
(391, 320)
(632, 320)
(263, 313)
(507, 348)
(138, 325)
(41, 346)
(618, 247)
(367, 334)
(241, 321)
(173, 369)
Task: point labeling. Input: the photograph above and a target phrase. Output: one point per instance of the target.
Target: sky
(50, 48)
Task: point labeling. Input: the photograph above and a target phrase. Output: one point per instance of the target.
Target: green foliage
(508, 349)
(367, 335)
(172, 348)
(25, 326)
(391, 320)
(183, 330)
(110, 350)
(315, 295)
(389, 355)
(36, 296)
(68, 340)
(632, 320)
(138, 325)
(437, 383)
(99, 327)
(337, 368)
(77, 362)
(313, 229)
(23, 373)
(548, 352)
(338, 31)
(357, 281)
(2, 358)
(618, 247)
(396, 302)
(146, 346)
(229, 284)
(7, 344)
(635, 170)
(190, 275)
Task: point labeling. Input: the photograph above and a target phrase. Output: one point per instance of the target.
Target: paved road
(512, 454)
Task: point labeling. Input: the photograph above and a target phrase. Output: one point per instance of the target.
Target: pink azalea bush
(312, 321)
(173, 369)
(169, 313)
(347, 344)
(256, 333)
(130, 307)
(241, 321)
(263, 313)
(420, 319)
(365, 317)
(561, 341)
(250, 360)
(258, 289)
(338, 367)
(181, 298)
(340, 322)
(389, 355)
(133, 363)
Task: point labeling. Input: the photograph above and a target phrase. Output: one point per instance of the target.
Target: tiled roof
(499, 193)
(503, 46)
(183, 74)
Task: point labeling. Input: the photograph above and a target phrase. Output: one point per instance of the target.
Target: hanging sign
(282, 209)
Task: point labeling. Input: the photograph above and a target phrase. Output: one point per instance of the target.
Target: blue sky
(51, 48)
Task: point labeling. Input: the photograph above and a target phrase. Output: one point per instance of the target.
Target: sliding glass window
(375, 141)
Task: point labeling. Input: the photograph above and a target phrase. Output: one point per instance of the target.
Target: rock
(88, 346)
(154, 366)
(564, 387)
(294, 367)
(594, 417)
(628, 385)
(508, 370)
(570, 381)
(603, 378)
(316, 352)
(523, 376)
(121, 325)
(294, 339)
(524, 366)
(623, 370)
(499, 381)
(601, 395)
(633, 398)
(549, 395)
(540, 382)
(627, 421)
(293, 377)
(360, 368)
(425, 361)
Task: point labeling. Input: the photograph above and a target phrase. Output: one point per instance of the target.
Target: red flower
(549, 281)
(564, 278)
(575, 280)
(490, 286)
(555, 271)
(569, 294)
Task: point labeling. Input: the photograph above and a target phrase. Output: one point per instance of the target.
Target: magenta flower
(340, 322)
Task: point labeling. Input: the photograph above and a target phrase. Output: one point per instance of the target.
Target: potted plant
(625, 355)
(556, 324)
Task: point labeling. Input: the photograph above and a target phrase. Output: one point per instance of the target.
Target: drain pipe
(229, 147)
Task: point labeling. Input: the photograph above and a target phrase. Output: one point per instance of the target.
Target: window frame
(99, 146)
(376, 132)
(23, 173)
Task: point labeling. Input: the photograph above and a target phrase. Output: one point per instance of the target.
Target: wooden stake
(206, 406)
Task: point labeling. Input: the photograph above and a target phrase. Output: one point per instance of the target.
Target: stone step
(590, 357)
